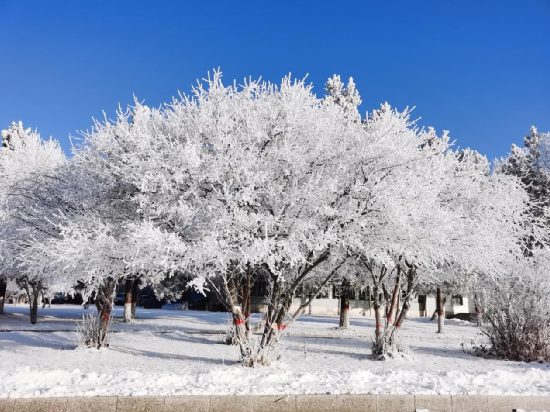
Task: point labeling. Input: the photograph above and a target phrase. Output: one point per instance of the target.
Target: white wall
(361, 307)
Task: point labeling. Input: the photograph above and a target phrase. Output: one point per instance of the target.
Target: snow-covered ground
(172, 352)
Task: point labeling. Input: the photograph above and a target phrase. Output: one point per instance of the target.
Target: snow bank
(28, 383)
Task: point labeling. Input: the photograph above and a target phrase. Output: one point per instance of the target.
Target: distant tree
(531, 164)
(346, 97)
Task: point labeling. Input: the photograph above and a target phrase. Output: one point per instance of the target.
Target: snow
(172, 352)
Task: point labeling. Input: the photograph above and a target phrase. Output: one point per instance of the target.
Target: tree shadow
(42, 340)
(169, 356)
(181, 337)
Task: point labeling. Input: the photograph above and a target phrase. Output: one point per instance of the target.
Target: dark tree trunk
(3, 287)
(344, 304)
(128, 285)
(186, 297)
(135, 293)
(34, 304)
(246, 296)
(33, 290)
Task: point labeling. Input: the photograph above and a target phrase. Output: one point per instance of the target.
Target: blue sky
(480, 69)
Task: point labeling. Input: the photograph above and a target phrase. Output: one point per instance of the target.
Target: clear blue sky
(480, 69)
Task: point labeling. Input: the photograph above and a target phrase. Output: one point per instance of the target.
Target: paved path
(277, 403)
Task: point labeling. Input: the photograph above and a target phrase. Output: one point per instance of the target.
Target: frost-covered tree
(14, 137)
(272, 178)
(233, 183)
(130, 217)
(516, 315)
(472, 170)
(124, 210)
(98, 252)
(531, 164)
(456, 214)
(513, 313)
(346, 97)
(28, 164)
(46, 204)
(223, 181)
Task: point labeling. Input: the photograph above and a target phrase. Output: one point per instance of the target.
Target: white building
(328, 303)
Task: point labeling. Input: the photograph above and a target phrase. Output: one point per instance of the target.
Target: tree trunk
(128, 300)
(369, 300)
(385, 342)
(104, 304)
(402, 313)
(135, 292)
(186, 297)
(310, 309)
(276, 318)
(440, 311)
(280, 301)
(394, 298)
(378, 342)
(33, 303)
(3, 287)
(246, 297)
(242, 334)
(477, 304)
(377, 305)
(344, 304)
(33, 290)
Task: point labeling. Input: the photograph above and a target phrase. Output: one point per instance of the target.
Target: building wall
(331, 306)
